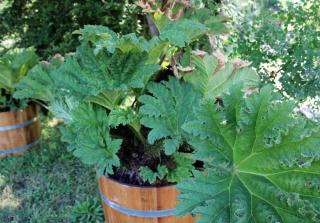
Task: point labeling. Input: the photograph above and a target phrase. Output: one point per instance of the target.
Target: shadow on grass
(45, 184)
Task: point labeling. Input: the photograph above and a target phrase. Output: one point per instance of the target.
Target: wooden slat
(12, 118)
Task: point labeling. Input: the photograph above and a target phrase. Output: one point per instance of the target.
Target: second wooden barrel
(19, 131)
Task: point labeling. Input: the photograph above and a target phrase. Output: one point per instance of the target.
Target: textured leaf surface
(149, 175)
(38, 84)
(86, 74)
(261, 161)
(100, 36)
(87, 134)
(14, 66)
(62, 108)
(104, 77)
(183, 31)
(122, 116)
(210, 80)
(166, 110)
(183, 168)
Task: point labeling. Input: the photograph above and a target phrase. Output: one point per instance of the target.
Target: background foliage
(48, 25)
(283, 43)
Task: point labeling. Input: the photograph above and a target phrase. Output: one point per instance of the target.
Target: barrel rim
(19, 111)
(13, 112)
(137, 186)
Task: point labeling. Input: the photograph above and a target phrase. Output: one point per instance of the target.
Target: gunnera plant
(14, 65)
(124, 108)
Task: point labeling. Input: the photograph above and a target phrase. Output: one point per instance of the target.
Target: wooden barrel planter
(133, 204)
(19, 131)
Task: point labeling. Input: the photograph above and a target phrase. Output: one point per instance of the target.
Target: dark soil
(134, 155)
(8, 103)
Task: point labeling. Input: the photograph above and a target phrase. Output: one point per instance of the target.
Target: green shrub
(14, 66)
(48, 25)
(283, 43)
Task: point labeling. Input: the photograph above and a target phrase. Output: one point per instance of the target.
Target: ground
(45, 185)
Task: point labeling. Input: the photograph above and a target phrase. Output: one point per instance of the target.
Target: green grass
(44, 185)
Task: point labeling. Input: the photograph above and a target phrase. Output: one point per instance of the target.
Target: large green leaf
(14, 66)
(100, 36)
(210, 80)
(104, 70)
(217, 24)
(195, 21)
(87, 75)
(169, 107)
(261, 162)
(87, 135)
(39, 83)
(182, 32)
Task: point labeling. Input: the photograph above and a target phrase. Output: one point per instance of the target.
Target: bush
(283, 43)
(13, 67)
(47, 25)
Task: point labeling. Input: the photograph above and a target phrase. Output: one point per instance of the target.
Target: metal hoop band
(19, 149)
(17, 126)
(137, 213)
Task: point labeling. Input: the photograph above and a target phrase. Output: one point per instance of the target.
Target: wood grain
(21, 136)
(139, 198)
